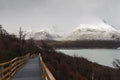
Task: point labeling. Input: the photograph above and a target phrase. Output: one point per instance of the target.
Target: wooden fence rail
(46, 74)
(8, 69)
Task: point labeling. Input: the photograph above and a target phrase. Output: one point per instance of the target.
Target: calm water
(101, 56)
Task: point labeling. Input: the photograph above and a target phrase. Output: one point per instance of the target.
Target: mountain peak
(96, 31)
(103, 26)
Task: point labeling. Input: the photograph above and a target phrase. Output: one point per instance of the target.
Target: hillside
(82, 44)
(65, 67)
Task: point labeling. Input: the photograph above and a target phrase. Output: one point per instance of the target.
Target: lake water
(101, 56)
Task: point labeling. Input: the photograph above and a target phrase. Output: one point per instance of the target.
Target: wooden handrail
(8, 69)
(5, 63)
(46, 74)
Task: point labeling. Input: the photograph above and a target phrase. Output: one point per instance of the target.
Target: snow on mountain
(94, 31)
(44, 35)
(101, 31)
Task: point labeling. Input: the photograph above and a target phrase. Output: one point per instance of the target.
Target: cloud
(64, 14)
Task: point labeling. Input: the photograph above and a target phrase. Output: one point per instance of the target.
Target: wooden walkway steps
(25, 68)
(30, 71)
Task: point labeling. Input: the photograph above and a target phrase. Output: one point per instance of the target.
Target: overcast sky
(60, 16)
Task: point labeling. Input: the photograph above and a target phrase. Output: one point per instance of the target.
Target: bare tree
(0, 29)
(22, 36)
(3, 32)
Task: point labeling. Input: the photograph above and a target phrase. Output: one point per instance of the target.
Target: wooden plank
(9, 78)
(14, 59)
(13, 73)
(14, 64)
(30, 71)
(47, 74)
(6, 69)
(14, 68)
(6, 75)
(17, 66)
(0, 71)
(5, 63)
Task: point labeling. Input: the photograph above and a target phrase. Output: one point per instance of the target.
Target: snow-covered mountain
(101, 31)
(43, 35)
(96, 31)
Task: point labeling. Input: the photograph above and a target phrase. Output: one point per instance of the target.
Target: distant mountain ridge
(101, 31)
(45, 35)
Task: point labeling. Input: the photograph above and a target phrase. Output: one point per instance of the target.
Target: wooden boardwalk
(30, 71)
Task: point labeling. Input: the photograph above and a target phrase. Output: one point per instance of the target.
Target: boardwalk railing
(46, 74)
(8, 69)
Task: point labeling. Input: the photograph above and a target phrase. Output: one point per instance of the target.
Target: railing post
(10, 65)
(27, 56)
(2, 74)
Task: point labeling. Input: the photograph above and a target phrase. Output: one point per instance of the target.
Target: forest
(12, 46)
(84, 44)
